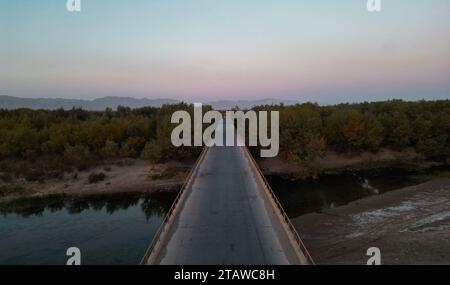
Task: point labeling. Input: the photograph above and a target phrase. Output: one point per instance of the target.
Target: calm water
(113, 229)
(302, 197)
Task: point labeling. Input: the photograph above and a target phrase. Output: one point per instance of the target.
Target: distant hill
(10, 102)
(248, 104)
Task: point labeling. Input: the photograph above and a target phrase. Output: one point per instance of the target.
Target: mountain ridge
(100, 104)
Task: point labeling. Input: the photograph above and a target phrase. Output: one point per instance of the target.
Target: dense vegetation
(43, 143)
(307, 131)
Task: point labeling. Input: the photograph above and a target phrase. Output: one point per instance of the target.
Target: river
(108, 229)
(117, 228)
(302, 197)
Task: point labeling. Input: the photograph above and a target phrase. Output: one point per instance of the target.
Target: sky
(323, 51)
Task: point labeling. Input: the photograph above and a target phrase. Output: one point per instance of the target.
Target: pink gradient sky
(320, 51)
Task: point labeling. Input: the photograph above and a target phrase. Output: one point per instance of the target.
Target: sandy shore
(133, 176)
(409, 226)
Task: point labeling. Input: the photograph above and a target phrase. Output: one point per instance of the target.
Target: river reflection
(108, 229)
(151, 204)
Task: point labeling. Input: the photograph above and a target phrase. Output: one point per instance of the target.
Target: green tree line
(308, 130)
(64, 139)
(68, 139)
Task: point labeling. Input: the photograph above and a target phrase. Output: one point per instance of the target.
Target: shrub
(78, 155)
(111, 149)
(152, 151)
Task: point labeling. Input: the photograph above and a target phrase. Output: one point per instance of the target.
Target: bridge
(226, 214)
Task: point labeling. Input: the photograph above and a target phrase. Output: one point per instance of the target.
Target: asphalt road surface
(226, 218)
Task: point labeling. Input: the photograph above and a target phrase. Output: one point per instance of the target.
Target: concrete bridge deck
(226, 216)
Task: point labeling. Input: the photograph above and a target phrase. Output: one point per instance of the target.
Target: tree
(301, 138)
(400, 130)
(433, 147)
(78, 155)
(126, 150)
(354, 130)
(334, 130)
(373, 132)
(153, 151)
(111, 149)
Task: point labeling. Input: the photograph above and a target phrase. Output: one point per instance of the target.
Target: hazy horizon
(250, 100)
(198, 50)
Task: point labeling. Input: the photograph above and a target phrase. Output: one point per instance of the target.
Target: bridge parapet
(152, 250)
(281, 214)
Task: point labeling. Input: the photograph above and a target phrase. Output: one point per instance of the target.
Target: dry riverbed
(409, 226)
(132, 175)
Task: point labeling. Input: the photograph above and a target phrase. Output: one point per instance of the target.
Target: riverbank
(333, 162)
(131, 175)
(409, 226)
